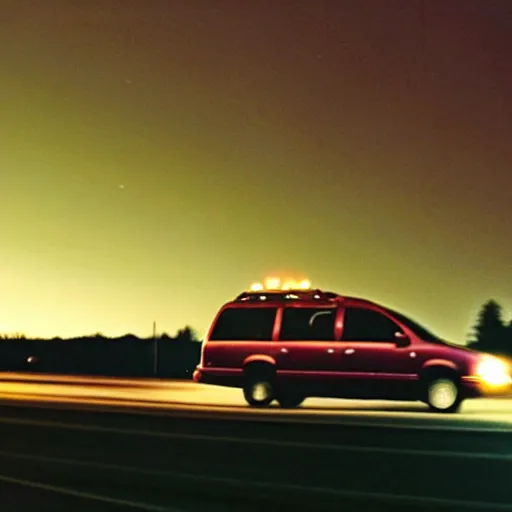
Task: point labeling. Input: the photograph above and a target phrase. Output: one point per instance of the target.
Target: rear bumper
(220, 377)
(200, 376)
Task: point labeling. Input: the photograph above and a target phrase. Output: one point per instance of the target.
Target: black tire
(443, 394)
(259, 389)
(290, 400)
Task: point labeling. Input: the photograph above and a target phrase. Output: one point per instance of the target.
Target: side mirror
(401, 339)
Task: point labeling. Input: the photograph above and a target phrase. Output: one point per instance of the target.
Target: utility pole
(155, 350)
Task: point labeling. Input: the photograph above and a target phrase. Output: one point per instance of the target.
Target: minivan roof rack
(287, 295)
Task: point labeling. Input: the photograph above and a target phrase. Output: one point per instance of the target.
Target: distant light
(305, 284)
(121, 187)
(256, 287)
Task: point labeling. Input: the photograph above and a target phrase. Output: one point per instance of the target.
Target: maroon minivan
(288, 345)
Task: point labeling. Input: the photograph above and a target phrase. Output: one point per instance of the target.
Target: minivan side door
(373, 361)
(307, 353)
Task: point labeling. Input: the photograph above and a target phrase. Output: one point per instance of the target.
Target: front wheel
(443, 395)
(259, 390)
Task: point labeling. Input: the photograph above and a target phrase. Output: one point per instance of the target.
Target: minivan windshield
(416, 328)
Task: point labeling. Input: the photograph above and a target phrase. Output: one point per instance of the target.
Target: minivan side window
(308, 324)
(244, 324)
(362, 324)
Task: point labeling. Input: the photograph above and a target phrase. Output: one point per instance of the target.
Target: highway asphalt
(67, 452)
(122, 461)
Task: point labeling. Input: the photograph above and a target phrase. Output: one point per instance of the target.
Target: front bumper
(475, 386)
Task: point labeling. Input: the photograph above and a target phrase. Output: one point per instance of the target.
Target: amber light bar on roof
(287, 295)
(275, 283)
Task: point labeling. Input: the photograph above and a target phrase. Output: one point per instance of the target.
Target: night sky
(157, 157)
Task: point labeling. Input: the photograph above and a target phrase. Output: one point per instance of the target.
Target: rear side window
(308, 324)
(244, 324)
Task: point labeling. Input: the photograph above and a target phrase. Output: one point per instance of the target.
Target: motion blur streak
(162, 396)
(86, 495)
(78, 379)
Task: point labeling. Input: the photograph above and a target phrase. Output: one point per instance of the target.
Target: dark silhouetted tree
(490, 332)
(14, 336)
(186, 334)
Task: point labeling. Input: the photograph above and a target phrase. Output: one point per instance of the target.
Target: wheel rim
(443, 394)
(261, 391)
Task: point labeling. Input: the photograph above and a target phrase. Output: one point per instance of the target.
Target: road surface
(95, 460)
(81, 443)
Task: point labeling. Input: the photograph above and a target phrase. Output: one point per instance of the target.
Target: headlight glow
(493, 372)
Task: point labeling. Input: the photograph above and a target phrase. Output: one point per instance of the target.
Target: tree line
(492, 333)
(125, 356)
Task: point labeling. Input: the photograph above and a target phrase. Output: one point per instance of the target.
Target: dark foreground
(81, 461)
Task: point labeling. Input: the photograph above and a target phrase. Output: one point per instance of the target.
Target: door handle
(349, 351)
(284, 351)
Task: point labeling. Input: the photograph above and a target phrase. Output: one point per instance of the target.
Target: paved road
(95, 460)
(81, 443)
(157, 396)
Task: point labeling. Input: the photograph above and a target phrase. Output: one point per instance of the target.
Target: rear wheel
(443, 394)
(259, 389)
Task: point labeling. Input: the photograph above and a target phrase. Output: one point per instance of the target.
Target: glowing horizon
(158, 157)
